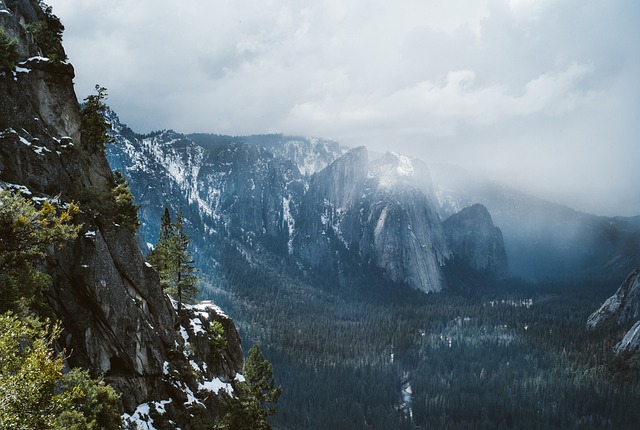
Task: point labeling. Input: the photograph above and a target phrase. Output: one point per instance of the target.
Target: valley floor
(507, 356)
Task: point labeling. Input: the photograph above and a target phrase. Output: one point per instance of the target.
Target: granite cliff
(474, 238)
(117, 321)
(622, 310)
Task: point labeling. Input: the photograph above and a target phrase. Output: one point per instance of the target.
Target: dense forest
(484, 354)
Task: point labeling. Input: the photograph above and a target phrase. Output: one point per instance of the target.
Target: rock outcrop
(622, 309)
(475, 240)
(117, 321)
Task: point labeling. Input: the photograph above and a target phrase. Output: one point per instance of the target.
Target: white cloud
(462, 81)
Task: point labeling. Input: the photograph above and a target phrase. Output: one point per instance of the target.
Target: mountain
(622, 310)
(117, 322)
(474, 238)
(340, 215)
(543, 240)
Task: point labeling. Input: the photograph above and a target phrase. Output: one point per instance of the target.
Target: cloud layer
(541, 93)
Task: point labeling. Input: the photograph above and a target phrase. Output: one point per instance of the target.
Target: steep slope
(472, 237)
(543, 239)
(117, 321)
(401, 231)
(622, 309)
(240, 194)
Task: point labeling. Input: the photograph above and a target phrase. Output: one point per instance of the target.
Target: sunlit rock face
(384, 212)
(475, 240)
(401, 231)
(622, 309)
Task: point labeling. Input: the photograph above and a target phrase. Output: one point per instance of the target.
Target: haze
(541, 94)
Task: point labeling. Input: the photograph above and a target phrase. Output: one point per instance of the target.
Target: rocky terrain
(263, 195)
(117, 321)
(622, 310)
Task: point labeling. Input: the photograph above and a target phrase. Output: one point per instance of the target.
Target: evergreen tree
(126, 211)
(25, 234)
(94, 127)
(255, 396)
(173, 261)
(8, 53)
(47, 34)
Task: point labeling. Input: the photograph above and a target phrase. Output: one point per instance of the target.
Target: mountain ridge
(235, 189)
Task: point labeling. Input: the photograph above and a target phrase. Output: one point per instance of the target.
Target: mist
(542, 95)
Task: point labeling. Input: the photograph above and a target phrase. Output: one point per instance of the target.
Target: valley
(352, 342)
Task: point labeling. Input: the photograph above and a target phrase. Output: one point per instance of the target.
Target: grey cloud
(540, 93)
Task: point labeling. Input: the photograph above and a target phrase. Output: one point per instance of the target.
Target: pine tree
(8, 53)
(255, 396)
(126, 211)
(94, 126)
(173, 261)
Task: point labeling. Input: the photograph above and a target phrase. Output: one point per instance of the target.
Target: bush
(34, 392)
(8, 53)
(47, 34)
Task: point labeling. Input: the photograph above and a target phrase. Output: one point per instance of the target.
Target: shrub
(8, 53)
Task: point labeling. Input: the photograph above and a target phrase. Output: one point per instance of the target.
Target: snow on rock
(215, 385)
(289, 221)
(141, 418)
(205, 307)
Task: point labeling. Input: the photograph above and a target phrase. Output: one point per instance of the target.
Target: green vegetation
(47, 34)
(34, 392)
(125, 210)
(217, 339)
(25, 234)
(500, 355)
(173, 261)
(94, 126)
(8, 53)
(254, 397)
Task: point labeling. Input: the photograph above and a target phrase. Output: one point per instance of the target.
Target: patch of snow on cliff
(380, 224)
(141, 417)
(205, 307)
(405, 166)
(196, 325)
(215, 385)
(289, 221)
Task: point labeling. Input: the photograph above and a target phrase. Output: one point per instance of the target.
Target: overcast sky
(544, 94)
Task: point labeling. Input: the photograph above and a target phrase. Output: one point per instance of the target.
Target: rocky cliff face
(382, 213)
(117, 322)
(474, 239)
(622, 309)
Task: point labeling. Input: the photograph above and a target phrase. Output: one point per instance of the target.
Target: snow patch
(215, 385)
(141, 418)
(196, 325)
(289, 221)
